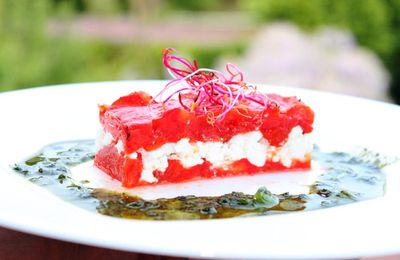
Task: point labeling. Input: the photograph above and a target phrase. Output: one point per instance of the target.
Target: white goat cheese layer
(251, 146)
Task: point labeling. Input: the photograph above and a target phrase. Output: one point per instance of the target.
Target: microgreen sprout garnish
(207, 91)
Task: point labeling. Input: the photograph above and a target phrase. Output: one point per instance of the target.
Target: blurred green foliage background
(375, 23)
(31, 54)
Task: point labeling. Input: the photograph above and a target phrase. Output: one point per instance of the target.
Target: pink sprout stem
(207, 91)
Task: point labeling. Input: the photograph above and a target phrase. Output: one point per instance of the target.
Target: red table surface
(17, 245)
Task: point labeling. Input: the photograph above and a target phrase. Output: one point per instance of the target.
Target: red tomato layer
(141, 123)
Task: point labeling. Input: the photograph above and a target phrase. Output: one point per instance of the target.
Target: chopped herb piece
(74, 186)
(35, 160)
(61, 178)
(265, 198)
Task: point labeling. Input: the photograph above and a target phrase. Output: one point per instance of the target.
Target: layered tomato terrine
(209, 125)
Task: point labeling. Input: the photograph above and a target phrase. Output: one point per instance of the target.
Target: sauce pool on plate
(345, 179)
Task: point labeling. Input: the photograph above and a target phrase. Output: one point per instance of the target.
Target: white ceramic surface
(33, 118)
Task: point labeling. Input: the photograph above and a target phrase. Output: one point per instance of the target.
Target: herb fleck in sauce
(346, 179)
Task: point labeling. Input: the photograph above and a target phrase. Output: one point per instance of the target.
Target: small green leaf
(265, 198)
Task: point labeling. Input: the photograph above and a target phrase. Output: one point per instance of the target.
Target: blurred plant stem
(146, 11)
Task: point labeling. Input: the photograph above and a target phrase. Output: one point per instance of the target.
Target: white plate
(33, 118)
